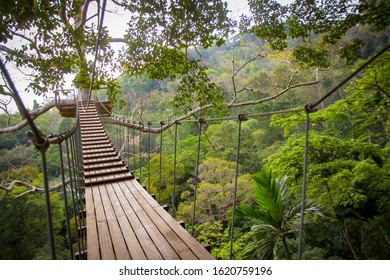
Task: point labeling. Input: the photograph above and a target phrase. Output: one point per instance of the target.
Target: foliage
(317, 24)
(348, 169)
(23, 227)
(214, 193)
(276, 213)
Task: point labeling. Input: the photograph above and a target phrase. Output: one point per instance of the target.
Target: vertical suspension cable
(97, 51)
(81, 183)
(133, 151)
(140, 153)
(201, 121)
(127, 149)
(72, 188)
(304, 183)
(241, 118)
(48, 204)
(174, 171)
(65, 200)
(160, 168)
(77, 187)
(149, 124)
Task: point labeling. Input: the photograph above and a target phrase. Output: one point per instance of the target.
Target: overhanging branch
(34, 114)
(254, 102)
(30, 188)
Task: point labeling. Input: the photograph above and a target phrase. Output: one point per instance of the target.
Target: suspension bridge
(115, 216)
(123, 221)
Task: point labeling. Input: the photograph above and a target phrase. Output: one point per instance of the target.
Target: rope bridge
(122, 220)
(115, 217)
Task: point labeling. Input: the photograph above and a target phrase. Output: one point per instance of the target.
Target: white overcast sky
(117, 29)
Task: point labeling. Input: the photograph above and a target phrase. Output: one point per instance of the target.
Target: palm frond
(251, 212)
(262, 247)
(267, 196)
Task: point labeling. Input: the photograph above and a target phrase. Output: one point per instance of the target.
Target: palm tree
(278, 215)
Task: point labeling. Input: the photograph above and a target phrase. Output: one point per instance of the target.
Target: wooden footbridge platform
(123, 221)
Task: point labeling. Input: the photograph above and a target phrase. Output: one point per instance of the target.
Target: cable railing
(71, 167)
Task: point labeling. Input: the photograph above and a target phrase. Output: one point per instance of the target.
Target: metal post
(241, 118)
(201, 121)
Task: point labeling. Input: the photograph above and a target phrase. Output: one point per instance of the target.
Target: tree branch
(34, 114)
(5, 49)
(10, 186)
(144, 128)
(253, 102)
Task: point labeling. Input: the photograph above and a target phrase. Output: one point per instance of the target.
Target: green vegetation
(277, 58)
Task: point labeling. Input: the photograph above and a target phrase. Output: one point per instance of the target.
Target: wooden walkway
(123, 221)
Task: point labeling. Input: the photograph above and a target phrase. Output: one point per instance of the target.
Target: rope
(241, 118)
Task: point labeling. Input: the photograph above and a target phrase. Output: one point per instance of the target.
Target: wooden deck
(123, 220)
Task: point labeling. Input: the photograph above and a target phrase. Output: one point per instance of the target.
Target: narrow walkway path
(123, 220)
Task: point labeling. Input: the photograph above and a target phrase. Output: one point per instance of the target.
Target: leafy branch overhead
(316, 25)
(166, 39)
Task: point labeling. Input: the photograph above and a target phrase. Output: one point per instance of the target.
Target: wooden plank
(105, 171)
(98, 151)
(133, 244)
(90, 167)
(195, 246)
(144, 239)
(179, 246)
(161, 243)
(105, 243)
(92, 234)
(120, 247)
(99, 155)
(107, 179)
(101, 160)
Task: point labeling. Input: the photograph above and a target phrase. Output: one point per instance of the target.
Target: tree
(277, 215)
(316, 24)
(58, 38)
(214, 193)
(348, 165)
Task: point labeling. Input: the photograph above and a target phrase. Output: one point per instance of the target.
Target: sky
(117, 28)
